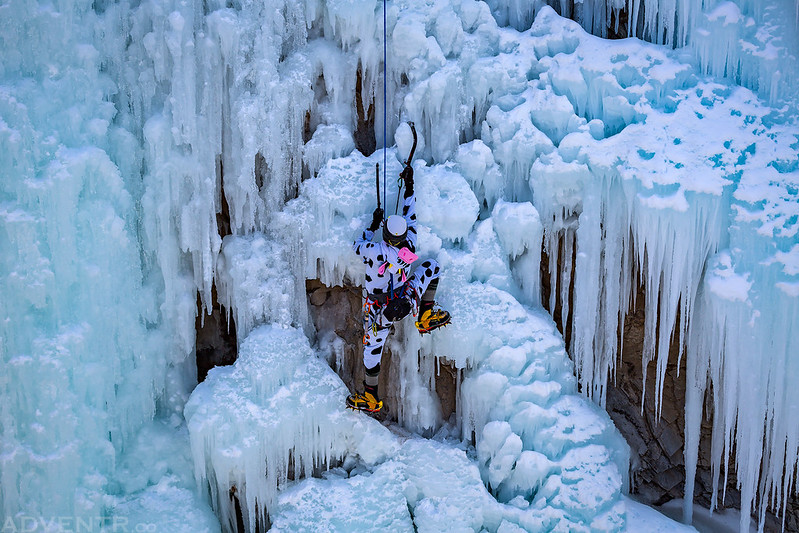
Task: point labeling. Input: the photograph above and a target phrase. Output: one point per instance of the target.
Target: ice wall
(753, 283)
(601, 137)
(751, 42)
(129, 127)
(277, 414)
(554, 457)
(626, 151)
(83, 357)
(120, 123)
(686, 186)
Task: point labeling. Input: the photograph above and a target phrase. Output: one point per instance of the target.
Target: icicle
(283, 408)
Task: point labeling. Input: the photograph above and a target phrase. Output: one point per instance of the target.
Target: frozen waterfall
(160, 158)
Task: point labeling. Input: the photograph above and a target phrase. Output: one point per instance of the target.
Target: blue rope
(385, 103)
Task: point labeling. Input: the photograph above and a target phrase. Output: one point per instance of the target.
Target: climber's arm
(364, 246)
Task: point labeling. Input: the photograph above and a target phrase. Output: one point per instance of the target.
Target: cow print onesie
(385, 270)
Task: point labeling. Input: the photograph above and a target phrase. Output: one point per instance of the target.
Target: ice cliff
(128, 128)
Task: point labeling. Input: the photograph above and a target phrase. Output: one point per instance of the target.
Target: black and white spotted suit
(385, 270)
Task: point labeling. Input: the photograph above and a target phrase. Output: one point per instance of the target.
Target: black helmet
(395, 230)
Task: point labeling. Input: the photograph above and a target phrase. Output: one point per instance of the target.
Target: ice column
(82, 357)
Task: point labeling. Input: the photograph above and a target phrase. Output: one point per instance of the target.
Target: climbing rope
(385, 102)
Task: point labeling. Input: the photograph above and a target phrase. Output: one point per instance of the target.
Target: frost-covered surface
(551, 452)
(158, 490)
(126, 128)
(749, 41)
(278, 412)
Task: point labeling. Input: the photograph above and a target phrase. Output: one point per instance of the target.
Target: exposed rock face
(215, 332)
(336, 312)
(657, 444)
(215, 339)
(364, 134)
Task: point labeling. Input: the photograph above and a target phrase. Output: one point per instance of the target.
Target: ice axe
(377, 183)
(407, 164)
(413, 148)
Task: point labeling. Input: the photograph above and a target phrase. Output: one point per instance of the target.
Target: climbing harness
(394, 304)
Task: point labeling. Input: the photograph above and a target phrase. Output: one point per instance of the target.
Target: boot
(431, 318)
(366, 401)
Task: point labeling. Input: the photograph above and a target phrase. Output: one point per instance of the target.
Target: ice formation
(277, 413)
(749, 41)
(627, 204)
(539, 444)
(128, 128)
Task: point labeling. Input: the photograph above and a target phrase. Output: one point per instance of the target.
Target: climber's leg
(425, 282)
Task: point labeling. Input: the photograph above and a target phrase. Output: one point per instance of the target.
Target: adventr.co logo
(75, 524)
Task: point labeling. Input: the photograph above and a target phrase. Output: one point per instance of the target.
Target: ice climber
(391, 293)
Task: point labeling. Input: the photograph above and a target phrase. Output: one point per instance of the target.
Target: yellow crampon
(432, 319)
(365, 401)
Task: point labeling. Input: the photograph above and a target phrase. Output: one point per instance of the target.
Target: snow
(723, 282)
(281, 408)
(277, 413)
(511, 357)
(416, 487)
(641, 517)
(706, 521)
(128, 128)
